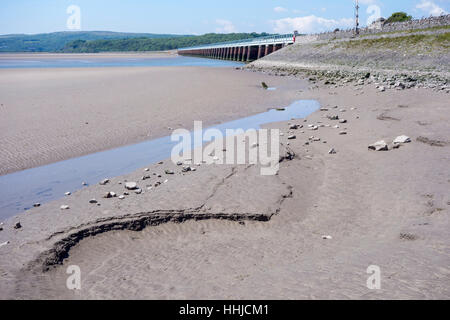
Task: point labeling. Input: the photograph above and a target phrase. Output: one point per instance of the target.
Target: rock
(402, 139)
(294, 127)
(332, 151)
(179, 163)
(281, 109)
(126, 194)
(131, 185)
(138, 191)
(17, 225)
(342, 121)
(121, 197)
(335, 117)
(4, 243)
(93, 201)
(292, 137)
(146, 170)
(327, 237)
(379, 146)
(146, 177)
(314, 128)
(323, 109)
(104, 182)
(68, 193)
(65, 207)
(36, 205)
(84, 184)
(110, 195)
(169, 172)
(343, 133)
(381, 89)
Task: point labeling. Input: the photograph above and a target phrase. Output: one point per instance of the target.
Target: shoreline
(384, 208)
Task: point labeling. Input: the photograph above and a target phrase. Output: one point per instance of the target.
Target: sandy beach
(48, 115)
(224, 231)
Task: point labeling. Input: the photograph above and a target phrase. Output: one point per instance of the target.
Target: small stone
(343, 133)
(292, 137)
(165, 181)
(186, 169)
(293, 127)
(332, 151)
(342, 121)
(402, 139)
(4, 243)
(126, 194)
(131, 185)
(36, 205)
(110, 195)
(68, 193)
(379, 146)
(84, 184)
(146, 170)
(327, 237)
(17, 225)
(121, 197)
(93, 201)
(103, 182)
(335, 117)
(179, 163)
(146, 177)
(169, 172)
(65, 207)
(381, 89)
(138, 191)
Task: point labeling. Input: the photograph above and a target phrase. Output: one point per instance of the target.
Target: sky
(201, 16)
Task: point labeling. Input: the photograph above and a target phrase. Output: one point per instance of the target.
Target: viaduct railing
(241, 50)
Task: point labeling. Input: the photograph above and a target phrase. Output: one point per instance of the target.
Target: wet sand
(226, 232)
(48, 115)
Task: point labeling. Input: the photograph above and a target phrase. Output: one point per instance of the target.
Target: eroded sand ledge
(386, 208)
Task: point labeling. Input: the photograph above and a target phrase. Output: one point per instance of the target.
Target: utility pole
(357, 17)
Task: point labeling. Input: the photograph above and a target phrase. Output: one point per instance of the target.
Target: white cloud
(431, 8)
(310, 24)
(225, 26)
(367, 2)
(279, 9)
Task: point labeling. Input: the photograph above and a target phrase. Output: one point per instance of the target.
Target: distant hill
(153, 44)
(53, 42)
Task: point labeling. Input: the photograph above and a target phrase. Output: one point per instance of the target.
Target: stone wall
(374, 29)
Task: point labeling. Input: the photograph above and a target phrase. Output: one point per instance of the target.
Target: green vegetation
(148, 44)
(415, 43)
(51, 42)
(399, 17)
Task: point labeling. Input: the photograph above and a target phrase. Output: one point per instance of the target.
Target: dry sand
(389, 209)
(47, 115)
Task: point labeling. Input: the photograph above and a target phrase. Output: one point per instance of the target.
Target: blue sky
(202, 16)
